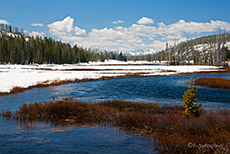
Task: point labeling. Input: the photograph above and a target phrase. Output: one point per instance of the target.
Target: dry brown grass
(127, 106)
(63, 112)
(171, 132)
(213, 83)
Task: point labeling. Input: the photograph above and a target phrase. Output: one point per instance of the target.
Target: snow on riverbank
(27, 75)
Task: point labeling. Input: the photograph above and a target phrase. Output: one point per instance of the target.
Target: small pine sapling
(189, 97)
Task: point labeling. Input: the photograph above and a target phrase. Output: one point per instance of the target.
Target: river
(16, 137)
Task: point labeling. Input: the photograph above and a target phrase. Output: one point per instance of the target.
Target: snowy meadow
(29, 75)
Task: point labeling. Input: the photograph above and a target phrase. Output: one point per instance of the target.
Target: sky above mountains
(122, 25)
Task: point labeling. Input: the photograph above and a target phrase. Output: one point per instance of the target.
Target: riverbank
(219, 83)
(171, 132)
(18, 78)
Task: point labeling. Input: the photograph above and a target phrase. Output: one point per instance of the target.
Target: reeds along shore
(219, 83)
(208, 133)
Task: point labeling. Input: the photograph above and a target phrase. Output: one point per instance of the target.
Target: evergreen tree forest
(17, 48)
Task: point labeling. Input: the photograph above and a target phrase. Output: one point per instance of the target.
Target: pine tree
(190, 109)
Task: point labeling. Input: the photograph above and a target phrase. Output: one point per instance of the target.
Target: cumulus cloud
(35, 34)
(37, 24)
(118, 22)
(135, 37)
(145, 21)
(65, 27)
(4, 22)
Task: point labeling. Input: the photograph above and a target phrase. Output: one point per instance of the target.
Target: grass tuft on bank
(219, 83)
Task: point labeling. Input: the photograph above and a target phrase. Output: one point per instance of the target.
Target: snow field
(27, 75)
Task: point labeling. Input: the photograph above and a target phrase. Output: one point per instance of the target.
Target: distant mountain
(139, 52)
(135, 52)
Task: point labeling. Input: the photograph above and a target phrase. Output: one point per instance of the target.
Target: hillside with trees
(17, 48)
(207, 50)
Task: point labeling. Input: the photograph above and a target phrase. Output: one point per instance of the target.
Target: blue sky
(90, 23)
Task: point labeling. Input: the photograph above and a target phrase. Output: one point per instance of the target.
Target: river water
(42, 138)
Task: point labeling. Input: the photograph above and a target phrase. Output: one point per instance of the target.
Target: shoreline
(48, 83)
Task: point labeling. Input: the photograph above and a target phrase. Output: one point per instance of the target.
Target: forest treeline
(17, 48)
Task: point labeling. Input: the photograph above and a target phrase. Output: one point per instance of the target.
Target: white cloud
(65, 27)
(4, 22)
(35, 34)
(37, 24)
(135, 37)
(118, 22)
(145, 21)
(194, 27)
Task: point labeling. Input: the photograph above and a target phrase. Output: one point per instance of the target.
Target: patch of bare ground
(162, 71)
(172, 133)
(88, 69)
(219, 70)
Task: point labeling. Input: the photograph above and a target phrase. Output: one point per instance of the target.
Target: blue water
(165, 90)
(37, 138)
